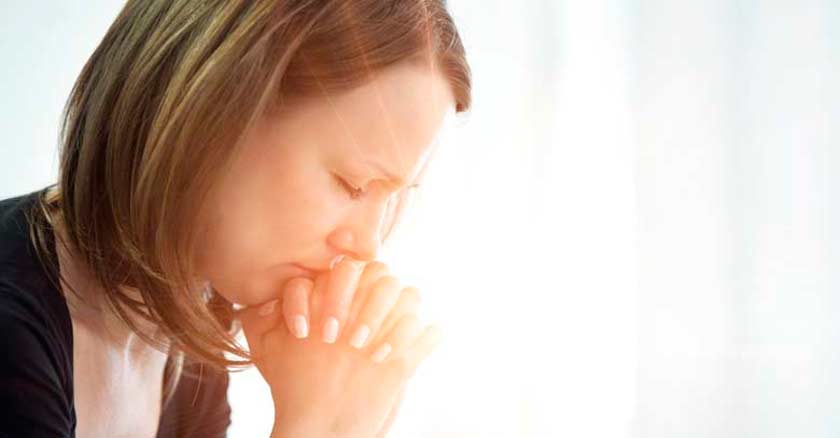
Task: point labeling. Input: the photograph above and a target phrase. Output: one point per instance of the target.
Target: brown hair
(157, 113)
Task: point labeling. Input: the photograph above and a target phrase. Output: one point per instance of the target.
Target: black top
(36, 351)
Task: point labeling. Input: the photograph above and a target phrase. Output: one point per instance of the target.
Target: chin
(247, 293)
(264, 286)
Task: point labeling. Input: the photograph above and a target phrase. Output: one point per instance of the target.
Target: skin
(330, 391)
(281, 203)
(287, 202)
(114, 371)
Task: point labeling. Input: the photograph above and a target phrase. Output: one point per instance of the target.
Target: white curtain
(646, 224)
(630, 235)
(738, 141)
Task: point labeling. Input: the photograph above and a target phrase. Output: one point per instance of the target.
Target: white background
(629, 235)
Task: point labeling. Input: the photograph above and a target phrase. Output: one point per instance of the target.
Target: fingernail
(330, 330)
(381, 353)
(267, 308)
(301, 327)
(357, 266)
(335, 261)
(360, 336)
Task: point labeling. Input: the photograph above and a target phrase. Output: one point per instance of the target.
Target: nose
(360, 236)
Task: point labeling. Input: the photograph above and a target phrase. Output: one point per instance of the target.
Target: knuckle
(299, 285)
(386, 285)
(292, 306)
(376, 269)
(409, 299)
(401, 367)
(412, 294)
(404, 331)
(409, 321)
(350, 266)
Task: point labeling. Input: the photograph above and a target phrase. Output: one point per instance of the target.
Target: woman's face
(291, 198)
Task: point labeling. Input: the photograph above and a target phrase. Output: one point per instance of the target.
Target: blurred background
(630, 235)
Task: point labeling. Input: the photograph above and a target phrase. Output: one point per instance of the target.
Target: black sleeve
(36, 394)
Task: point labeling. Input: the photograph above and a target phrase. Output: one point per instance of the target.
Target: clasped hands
(345, 377)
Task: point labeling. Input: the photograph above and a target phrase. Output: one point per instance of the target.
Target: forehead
(393, 119)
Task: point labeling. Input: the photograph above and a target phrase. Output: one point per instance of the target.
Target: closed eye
(352, 191)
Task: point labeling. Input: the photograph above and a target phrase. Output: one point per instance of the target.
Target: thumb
(257, 320)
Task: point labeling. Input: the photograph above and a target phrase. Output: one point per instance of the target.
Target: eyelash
(355, 192)
(352, 191)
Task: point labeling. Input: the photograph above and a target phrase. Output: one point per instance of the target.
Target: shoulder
(35, 370)
(36, 345)
(31, 307)
(28, 326)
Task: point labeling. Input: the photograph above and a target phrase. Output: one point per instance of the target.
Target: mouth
(307, 272)
(312, 272)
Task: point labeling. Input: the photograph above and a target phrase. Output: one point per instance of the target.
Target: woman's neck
(91, 309)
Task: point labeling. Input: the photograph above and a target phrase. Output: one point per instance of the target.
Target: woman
(228, 165)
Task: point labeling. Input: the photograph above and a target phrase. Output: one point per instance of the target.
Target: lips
(331, 265)
(304, 268)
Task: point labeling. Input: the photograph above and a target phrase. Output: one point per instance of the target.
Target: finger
(382, 298)
(370, 275)
(372, 272)
(420, 349)
(316, 297)
(341, 286)
(257, 320)
(392, 415)
(296, 306)
(408, 302)
(399, 339)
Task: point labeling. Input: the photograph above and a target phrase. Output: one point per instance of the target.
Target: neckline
(54, 285)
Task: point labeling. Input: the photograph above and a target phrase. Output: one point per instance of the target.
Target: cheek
(302, 210)
(255, 232)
